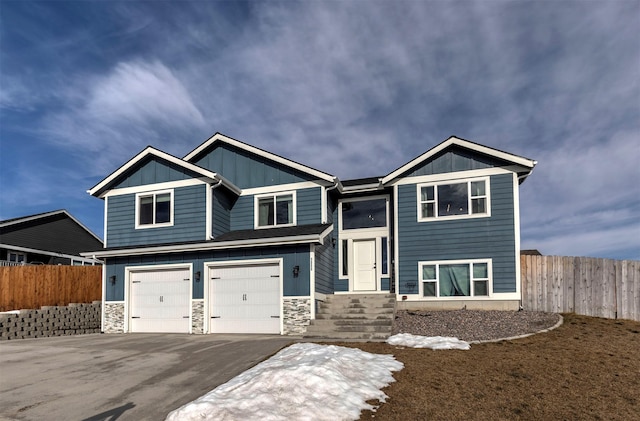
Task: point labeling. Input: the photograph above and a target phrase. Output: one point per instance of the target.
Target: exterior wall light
(197, 276)
(296, 271)
(112, 279)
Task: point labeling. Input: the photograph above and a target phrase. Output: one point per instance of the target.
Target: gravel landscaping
(473, 325)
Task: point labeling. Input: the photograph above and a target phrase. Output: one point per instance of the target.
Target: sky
(346, 377)
(352, 88)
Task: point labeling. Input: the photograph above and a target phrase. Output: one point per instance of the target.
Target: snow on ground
(305, 381)
(433, 342)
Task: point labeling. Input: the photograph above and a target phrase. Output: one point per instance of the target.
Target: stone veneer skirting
(113, 318)
(297, 315)
(197, 316)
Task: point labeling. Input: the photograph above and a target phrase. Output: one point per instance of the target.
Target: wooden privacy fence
(581, 285)
(31, 287)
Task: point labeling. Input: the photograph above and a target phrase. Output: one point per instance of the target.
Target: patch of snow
(304, 381)
(433, 342)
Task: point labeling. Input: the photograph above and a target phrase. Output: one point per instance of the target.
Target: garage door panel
(160, 301)
(245, 299)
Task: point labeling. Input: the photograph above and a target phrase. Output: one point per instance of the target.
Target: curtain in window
(455, 280)
(265, 212)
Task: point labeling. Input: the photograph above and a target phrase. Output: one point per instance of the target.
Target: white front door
(160, 301)
(244, 299)
(364, 265)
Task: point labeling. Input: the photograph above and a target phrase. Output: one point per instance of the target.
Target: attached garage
(160, 300)
(245, 297)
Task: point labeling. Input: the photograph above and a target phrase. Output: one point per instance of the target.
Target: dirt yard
(587, 369)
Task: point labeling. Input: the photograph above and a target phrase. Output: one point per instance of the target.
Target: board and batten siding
(292, 256)
(247, 170)
(154, 170)
(308, 209)
(455, 159)
(458, 239)
(189, 219)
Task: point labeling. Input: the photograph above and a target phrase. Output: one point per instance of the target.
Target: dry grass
(587, 369)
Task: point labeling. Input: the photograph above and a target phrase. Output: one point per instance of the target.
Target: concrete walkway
(120, 376)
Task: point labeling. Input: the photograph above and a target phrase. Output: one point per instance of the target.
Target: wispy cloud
(356, 90)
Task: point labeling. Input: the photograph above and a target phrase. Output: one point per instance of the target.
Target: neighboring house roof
(56, 232)
(220, 138)
(532, 252)
(526, 163)
(100, 188)
(304, 234)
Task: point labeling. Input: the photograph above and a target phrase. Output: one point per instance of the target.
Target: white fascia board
(219, 137)
(263, 242)
(163, 155)
(525, 162)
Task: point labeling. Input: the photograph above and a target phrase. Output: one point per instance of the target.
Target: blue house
(235, 239)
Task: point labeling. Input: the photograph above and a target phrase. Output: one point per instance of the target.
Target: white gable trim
(528, 163)
(218, 137)
(208, 175)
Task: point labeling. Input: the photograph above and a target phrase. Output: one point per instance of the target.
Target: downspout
(215, 186)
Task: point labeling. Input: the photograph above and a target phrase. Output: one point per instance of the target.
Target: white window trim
(437, 263)
(17, 254)
(154, 193)
(256, 210)
(468, 181)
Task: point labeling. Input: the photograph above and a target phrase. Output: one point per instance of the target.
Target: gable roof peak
(221, 138)
(467, 144)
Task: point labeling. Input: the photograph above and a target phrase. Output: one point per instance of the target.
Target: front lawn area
(587, 369)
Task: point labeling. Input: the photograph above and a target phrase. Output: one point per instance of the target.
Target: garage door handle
(275, 317)
(134, 317)
(185, 317)
(215, 317)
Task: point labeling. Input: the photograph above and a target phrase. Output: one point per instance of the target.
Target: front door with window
(364, 265)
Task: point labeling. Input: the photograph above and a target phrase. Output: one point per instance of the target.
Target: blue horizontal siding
(292, 256)
(324, 267)
(308, 209)
(459, 239)
(189, 219)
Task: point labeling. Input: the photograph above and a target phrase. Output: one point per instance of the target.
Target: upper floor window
(370, 213)
(441, 200)
(154, 209)
(275, 210)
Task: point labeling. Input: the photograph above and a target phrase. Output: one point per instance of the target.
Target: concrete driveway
(120, 376)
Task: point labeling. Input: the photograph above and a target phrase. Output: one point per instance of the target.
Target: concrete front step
(353, 316)
(351, 322)
(349, 335)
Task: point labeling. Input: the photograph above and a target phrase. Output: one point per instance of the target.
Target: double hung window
(441, 200)
(154, 209)
(276, 210)
(457, 279)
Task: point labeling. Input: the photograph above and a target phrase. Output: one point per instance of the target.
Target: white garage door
(160, 301)
(244, 299)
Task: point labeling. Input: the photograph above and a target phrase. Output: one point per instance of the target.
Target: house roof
(100, 188)
(527, 163)
(54, 232)
(304, 234)
(220, 138)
